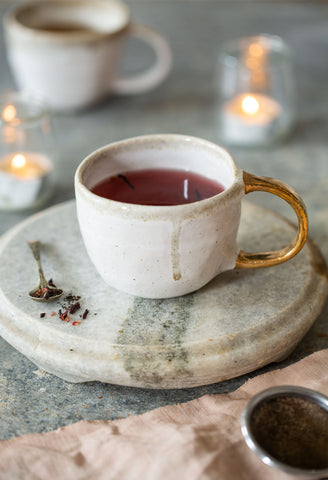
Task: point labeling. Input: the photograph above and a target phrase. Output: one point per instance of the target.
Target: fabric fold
(197, 440)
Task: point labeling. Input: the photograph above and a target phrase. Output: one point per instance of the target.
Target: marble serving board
(242, 320)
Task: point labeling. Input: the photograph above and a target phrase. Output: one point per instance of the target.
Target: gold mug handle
(268, 259)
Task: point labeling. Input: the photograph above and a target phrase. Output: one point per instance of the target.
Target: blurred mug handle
(142, 82)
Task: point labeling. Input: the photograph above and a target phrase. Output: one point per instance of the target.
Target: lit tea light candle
(27, 150)
(248, 118)
(23, 179)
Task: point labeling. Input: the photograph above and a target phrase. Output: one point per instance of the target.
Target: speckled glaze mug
(68, 51)
(168, 251)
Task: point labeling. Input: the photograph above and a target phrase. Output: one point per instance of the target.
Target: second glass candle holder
(256, 91)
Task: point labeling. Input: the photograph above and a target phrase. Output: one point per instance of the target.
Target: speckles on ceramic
(240, 321)
(163, 151)
(182, 246)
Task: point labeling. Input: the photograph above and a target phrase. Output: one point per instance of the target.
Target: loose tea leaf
(123, 177)
(74, 308)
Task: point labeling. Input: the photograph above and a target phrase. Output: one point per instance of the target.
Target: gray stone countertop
(34, 401)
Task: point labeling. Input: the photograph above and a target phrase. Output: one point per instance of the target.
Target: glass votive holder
(26, 152)
(256, 91)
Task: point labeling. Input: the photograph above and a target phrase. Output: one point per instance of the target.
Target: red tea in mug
(157, 187)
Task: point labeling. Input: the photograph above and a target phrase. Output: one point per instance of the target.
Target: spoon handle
(35, 246)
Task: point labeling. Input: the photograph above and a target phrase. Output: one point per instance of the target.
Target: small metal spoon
(51, 293)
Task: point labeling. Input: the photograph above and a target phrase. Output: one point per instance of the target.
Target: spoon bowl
(44, 292)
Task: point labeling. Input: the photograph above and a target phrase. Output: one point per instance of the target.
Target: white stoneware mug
(167, 251)
(68, 51)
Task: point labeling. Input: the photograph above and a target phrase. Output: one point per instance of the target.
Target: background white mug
(167, 251)
(68, 51)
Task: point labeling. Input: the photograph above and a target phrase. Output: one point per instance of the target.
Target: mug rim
(11, 21)
(158, 210)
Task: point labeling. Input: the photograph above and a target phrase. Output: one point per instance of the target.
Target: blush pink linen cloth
(197, 440)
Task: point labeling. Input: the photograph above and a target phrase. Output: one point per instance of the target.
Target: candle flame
(18, 161)
(9, 113)
(250, 105)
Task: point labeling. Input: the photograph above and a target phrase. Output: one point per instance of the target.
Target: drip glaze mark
(123, 177)
(175, 254)
(198, 195)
